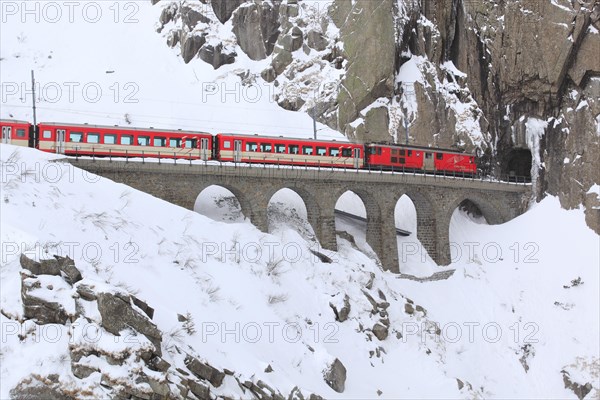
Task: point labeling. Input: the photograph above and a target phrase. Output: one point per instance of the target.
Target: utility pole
(314, 115)
(35, 132)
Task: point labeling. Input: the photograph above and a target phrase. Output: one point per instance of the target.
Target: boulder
(281, 61)
(380, 331)
(580, 390)
(204, 371)
(190, 46)
(223, 9)
(200, 390)
(60, 266)
(34, 387)
(335, 376)
(118, 314)
(341, 315)
(256, 27)
(316, 40)
(40, 309)
(191, 17)
(215, 56)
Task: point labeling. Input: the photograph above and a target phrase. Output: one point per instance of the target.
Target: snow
(449, 66)
(582, 104)
(140, 79)
(535, 128)
(238, 283)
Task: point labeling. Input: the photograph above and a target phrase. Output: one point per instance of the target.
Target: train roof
(413, 147)
(125, 128)
(13, 121)
(256, 136)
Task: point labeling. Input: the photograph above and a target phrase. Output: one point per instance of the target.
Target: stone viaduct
(435, 197)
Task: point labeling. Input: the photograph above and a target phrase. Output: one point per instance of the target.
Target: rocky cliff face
(518, 81)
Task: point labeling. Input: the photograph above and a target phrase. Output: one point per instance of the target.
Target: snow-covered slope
(104, 63)
(507, 325)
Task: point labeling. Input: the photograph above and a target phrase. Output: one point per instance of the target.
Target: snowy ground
(115, 68)
(494, 311)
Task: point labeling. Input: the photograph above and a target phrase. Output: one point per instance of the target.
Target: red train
(87, 140)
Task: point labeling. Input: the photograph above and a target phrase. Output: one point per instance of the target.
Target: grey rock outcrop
(223, 9)
(204, 371)
(256, 27)
(335, 376)
(47, 388)
(58, 266)
(37, 308)
(365, 80)
(341, 315)
(190, 46)
(118, 314)
(216, 55)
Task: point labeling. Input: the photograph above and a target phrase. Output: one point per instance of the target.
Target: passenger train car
(115, 141)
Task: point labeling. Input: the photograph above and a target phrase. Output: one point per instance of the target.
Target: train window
(410, 153)
(160, 142)
(47, 134)
(175, 142)
(379, 151)
(127, 140)
(307, 150)
(20, 132)
(251, 147)
(428, 155)
(75, 137)
(439, 156)
(293, 149)
(143, 141)
(333, 152)
(110, 139)
(280, 148)
(93, 138)
(321, 151)
(402, 152)
(193, 143)
(226, 144)
(402, 160)
(266, 147)
(394, 152)
(346, 152)
(394, 160)
(371, 150)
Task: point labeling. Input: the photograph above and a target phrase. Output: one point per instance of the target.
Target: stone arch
(375, 233)
(427, 224)
(310, 205)
(491, 209)
(241, 196)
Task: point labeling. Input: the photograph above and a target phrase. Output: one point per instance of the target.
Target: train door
(356, 158)
(6, 134)
(237, 150)
(60, 141)
(428, 162)
(204, 149)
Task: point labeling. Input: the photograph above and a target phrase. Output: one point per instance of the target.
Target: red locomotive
(115, 141)
(413, 158)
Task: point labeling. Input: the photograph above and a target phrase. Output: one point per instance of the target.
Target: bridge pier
(324, 227)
